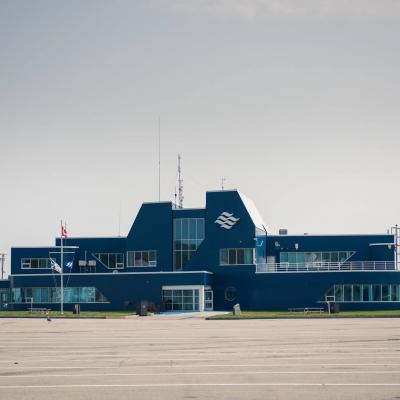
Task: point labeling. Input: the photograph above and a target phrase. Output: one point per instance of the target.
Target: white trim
(382, 244)
(126, 273)
(91, 237)
(181, 287)
(116, 263)
(331, 234)
(44, 247)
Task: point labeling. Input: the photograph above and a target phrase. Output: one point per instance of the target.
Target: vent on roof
(283, 231)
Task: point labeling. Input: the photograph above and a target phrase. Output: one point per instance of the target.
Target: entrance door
(208, 300)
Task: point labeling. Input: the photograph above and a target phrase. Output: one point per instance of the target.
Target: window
(111, 260)
(240, 256)
(364, 293)
(35, 263)
(188, 235)
(53, 295)
(298, 257)
(181, 299)
(142, 258)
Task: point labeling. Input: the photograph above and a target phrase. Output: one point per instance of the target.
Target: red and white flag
(64, 232)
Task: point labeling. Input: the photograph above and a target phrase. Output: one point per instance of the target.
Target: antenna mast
(222, 182)
(159, 159)
(180, 183)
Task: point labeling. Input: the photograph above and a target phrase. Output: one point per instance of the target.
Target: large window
(236, 256)
(35, 263)
(111, 260)
(181, 300)
(364, 293)
(142, 258)
(188, 234)
(53, 295)
(300, 257)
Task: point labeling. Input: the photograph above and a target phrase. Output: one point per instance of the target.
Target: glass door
(208, 300)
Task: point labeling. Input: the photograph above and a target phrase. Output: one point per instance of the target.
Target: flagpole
(62, 271)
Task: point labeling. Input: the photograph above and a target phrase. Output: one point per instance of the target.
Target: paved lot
(167, 358)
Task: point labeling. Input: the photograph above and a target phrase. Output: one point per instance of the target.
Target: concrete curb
(335, 317)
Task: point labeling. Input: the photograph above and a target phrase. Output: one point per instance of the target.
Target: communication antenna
(222, 182)
(175, 195)
(2, 259)
(180, 183)
(159, 159)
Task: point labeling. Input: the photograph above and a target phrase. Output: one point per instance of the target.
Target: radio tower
(180, 183)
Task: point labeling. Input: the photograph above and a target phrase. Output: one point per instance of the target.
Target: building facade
(208, 259)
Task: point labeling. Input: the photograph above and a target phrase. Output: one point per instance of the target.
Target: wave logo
(226, 220)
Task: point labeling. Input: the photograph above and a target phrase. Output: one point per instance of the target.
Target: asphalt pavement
(191, 358)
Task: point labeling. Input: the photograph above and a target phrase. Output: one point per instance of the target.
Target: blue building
(208, 259)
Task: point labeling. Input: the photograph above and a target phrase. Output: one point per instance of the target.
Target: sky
(293, 102)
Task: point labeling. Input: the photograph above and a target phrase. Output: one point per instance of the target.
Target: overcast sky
(296, 103)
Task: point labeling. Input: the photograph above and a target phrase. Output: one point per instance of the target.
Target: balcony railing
(327, 266)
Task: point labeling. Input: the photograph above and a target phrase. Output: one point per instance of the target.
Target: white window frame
(151, 264)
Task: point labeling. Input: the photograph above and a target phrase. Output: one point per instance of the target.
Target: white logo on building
(226, 220)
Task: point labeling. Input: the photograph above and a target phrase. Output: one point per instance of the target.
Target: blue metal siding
(358, 243)
(123, 290)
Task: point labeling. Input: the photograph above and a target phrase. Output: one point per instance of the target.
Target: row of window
(189, 228)
(364, 292)
(315, 256)
(111, 260)
(146, 258)
(181, 300)
(53, 295)
(35, 263)
(188, 235)
(236, 256)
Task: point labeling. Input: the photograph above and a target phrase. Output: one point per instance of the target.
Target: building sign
(226, 220)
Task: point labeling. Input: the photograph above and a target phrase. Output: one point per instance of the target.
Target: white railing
(327, 266)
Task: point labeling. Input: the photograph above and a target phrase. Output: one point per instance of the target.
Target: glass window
(224, 256)
(347, 293)
(356, 292)
(240, 256)
(185, 257)
(45, 295)
(292, 257)
(192, 228)
(248, 256)
(177, 228)
(338, 292)
(283, 257)
(334, 257)
(144, 258)
(385, 292)
(394, 292)
(376, 293)
(185, 228)
(112, 261)
(367, 294)
(232, 256)
(200, 228)
(188, 235)
(317, 257)
(301, 258)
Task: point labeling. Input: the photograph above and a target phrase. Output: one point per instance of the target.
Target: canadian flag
(64, 232)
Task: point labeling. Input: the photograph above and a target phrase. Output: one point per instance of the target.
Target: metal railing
(327, 266)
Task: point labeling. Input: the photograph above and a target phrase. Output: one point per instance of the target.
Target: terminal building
(208, 258)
